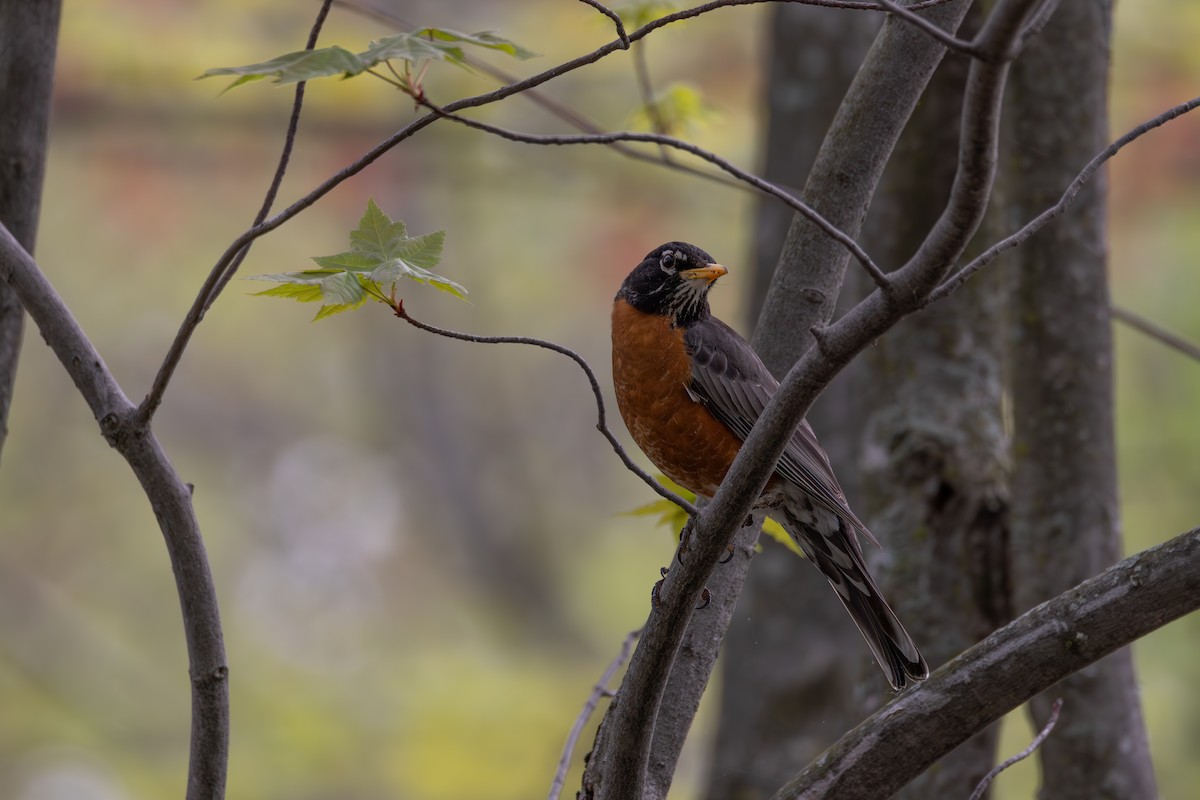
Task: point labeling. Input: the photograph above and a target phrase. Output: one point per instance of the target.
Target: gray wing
(732, 382)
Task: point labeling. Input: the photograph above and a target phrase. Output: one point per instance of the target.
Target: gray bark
(934, 448)
(786, 667)
(1066, 523)
(28, 40)
(1030, 654)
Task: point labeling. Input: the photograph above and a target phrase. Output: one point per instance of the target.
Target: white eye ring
(667, 262)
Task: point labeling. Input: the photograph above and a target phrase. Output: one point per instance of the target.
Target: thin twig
(945, 37)
(219, 278)
(601, 416)
(616, 18)
(175, 352)
(1064, 202)
(641, 69)
(557, 109)
(1021, 756)
(762, 185)
(598, 691)
(1156, 332)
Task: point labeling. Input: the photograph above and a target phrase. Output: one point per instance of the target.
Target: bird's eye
(667, 262)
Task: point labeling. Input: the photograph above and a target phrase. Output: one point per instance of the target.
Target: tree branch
(1021, 756)
(622, 36)
(183, 337)
(171, 500)
(636, 710)
(598, 691)
(938, 34)
(1064, 202)
(601, 419)
(1156, 332)
(1022, 659)
(220, 276)
(766, 187)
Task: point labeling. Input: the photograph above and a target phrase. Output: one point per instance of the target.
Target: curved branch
(608, 12)
(175, 352)
(1022, 659)
(169, 497)
(220, 276)
(601, 417)
(764, 186)
(1021, 756)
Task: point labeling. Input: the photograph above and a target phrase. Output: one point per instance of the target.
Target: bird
(690, 389)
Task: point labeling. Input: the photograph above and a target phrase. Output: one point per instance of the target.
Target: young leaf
(674, 517)
(381, 254)
(294, 67)
(488, 39)
(410, 47)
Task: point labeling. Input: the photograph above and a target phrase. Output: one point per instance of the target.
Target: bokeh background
(421, 547)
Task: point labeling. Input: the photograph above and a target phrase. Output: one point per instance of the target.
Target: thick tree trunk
(28, 38)
(785, 678)
(1065, 520)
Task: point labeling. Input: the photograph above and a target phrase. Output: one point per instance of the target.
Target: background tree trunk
(28, 35)
(785, 662)
(934, 451)
(1065, 516)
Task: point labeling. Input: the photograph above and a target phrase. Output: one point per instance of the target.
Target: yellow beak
(708, 274)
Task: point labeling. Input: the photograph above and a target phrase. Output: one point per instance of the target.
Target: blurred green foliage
(418, 543)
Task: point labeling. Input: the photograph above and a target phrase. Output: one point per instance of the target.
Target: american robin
(690, 389)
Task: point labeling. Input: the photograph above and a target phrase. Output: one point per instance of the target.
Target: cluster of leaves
(673, 517)
(381, 253)
(417, 47)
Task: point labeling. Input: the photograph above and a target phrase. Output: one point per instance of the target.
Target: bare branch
(1156, 332)
(598, 691)
(945, 37)
(1021, 756)
(171, 500)
(221, 274)
(1024, 658)
(621, 34)
(183, 337)
(601, 419)
(1064, 202)
(762, 185)
(650, 667)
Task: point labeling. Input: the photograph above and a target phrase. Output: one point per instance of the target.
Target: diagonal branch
(220, 276)
(1156, 332)
(641, 692)
(1064, 202)
(1017, 662)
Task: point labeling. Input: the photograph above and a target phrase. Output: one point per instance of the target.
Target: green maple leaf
(381, 254)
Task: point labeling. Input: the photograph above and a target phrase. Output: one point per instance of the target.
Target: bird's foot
(656, 592)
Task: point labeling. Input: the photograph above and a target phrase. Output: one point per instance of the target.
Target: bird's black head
(672, 280)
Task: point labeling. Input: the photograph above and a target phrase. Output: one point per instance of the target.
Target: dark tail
(825, 539)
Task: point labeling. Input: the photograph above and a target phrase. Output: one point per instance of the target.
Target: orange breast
(650, 374)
